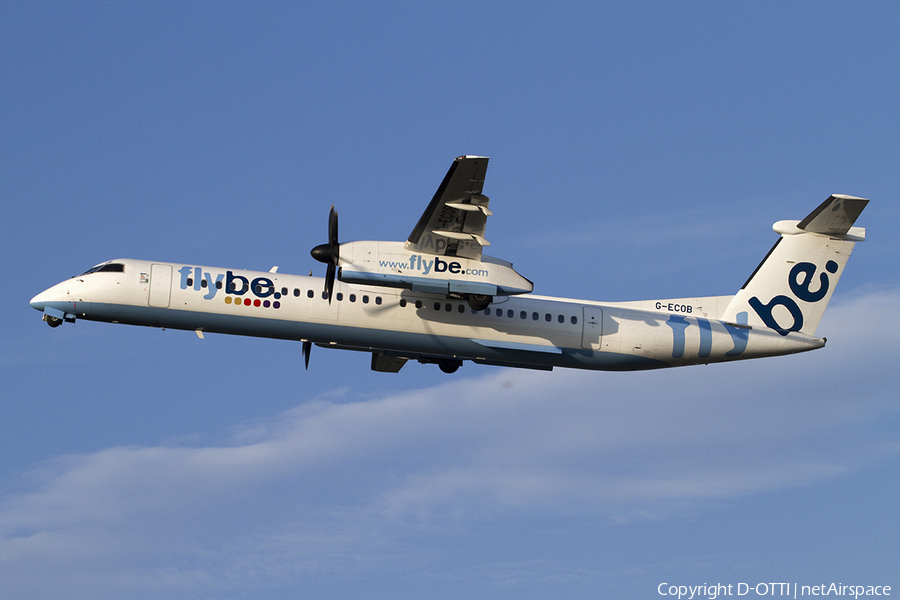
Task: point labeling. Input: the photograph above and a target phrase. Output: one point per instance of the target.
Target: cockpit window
(106, 268)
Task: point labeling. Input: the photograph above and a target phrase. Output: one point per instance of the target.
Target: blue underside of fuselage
(398, 343)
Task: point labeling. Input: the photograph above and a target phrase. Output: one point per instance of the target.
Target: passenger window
(574, 320)
(352, 297)
(523, 315)
(218, 285)
(296, 293)
(365, 299)
(461, 308)
(510, 313)
(561, 319)
(437, 306)
(204, 283)
(340, 296)
(402, 302)
(190, 281)
(378, 300)
(547, 317)
(284, 291)
(418, 304)
(309, 293)
(534, 316)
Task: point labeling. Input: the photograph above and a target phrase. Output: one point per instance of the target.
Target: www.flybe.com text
(791, 590)
(417, 263)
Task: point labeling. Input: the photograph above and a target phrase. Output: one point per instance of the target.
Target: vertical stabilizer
(791, 287)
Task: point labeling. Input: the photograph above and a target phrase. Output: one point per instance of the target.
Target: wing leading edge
(454, 222)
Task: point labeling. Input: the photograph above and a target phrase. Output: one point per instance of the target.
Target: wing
(453, 224)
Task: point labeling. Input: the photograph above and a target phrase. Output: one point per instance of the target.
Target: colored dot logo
(248, 302)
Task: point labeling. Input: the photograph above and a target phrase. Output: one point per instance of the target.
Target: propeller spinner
(329, 253)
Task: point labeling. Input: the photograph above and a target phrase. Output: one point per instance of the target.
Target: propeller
(329, 253)
(307, 347)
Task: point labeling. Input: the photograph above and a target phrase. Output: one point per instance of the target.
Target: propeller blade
(307, 348)
(329, 281)
(329, 253)
(333, 230)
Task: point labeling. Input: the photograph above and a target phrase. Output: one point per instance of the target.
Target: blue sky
(638, 150)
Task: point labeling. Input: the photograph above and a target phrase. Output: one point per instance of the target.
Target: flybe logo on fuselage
(436, 265)
(238, 285)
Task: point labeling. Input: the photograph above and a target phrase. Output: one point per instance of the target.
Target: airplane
(438, 299)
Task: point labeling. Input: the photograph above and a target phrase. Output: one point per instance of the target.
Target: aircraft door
(160, 285)
(593, 327)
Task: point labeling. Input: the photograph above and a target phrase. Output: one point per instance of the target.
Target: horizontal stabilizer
(835, 216)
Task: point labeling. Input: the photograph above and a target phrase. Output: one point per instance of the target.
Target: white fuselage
(524, 331)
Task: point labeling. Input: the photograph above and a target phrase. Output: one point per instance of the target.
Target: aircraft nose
(38, 301)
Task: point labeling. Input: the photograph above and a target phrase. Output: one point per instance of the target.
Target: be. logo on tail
(799, 279)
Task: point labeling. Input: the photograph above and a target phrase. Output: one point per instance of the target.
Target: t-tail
(792, 286)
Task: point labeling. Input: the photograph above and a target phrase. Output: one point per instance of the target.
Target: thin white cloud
(345, 486)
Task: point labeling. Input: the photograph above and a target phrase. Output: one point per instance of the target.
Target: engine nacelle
(390, 264)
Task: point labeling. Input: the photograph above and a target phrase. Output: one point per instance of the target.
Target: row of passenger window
(203, 283)
(284, 291)
(535, 316)
(351, 297)
(448, 307)
(258, 290)
(511, 314)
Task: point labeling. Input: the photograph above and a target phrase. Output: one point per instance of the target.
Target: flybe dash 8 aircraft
(436, 298)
